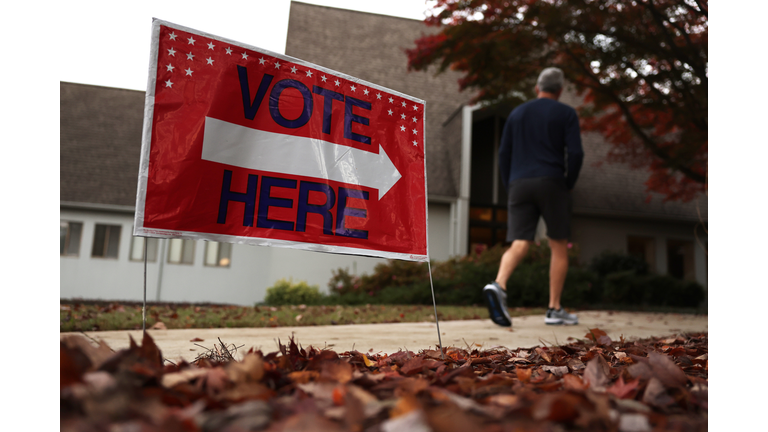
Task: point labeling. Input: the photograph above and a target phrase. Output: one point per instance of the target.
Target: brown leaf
(197, 339)
(251, 369)
(575, 364)
(573, 382)
(594, 334)
(213, 382)
(595, 375)
(665, 369)
(559, 407)
(150, 352)
(544, 354)
(523, 375)
(556, 370)
(623, 390)
(655, 394)
(172, 379)
(96, 355)
(336, 371)
(404, 405)
(505, 400)
(303, 377)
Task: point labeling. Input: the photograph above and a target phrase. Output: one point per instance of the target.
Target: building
(101, 140)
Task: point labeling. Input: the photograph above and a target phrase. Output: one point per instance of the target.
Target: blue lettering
(250, 108)
(249, 198)
(266, 201)
(328, 97)
(274, 104)
(323, 210)
(343, 211)
(349, 117)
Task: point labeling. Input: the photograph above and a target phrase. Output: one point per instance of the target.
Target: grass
(93, 316)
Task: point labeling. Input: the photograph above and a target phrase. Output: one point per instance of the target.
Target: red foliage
(641, 68)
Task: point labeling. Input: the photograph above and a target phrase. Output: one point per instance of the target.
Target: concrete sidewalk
(526, 332)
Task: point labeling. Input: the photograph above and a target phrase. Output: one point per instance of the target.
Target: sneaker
(559, 317)
(496, 298)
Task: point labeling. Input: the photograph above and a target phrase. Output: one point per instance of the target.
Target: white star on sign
(209, 60)
(293, 69)
(414, 143)
(402, 116)
(324, 78)
(169, 84)
(414, 131)
(172, 36)
(414, 119)
(309, 73)
(353, 88)
(391, 100)
(366, 92)
(415, 107)
(229, 51)
(277, 65)
(211, 45)
(190, 56)
(337, 83)
(378, 95)
(188, 71)
(245, 56)
(190, 41)
(390, 112)
(403, 103)
(402, 128)
(172, 52)
(170, 68)
(262, 60)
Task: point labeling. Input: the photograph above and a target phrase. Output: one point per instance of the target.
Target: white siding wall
(593, 235)
(253, 269)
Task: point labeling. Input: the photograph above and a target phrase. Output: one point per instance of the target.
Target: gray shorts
(529, 198)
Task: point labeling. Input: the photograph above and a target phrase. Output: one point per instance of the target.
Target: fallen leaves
(653, 384)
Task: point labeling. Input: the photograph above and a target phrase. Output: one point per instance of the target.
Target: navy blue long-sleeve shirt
(541, 138)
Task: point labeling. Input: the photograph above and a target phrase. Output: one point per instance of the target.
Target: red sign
(247, 146)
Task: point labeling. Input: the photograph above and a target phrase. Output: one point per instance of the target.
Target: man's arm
(574, 150)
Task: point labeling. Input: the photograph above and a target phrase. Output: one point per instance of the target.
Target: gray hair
(550, 80)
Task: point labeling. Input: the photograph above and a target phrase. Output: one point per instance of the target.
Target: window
(137, 249)
(106, 241)
(643, 248)
(218, 254)
(680, 261)
(70, 238)
(181, 251)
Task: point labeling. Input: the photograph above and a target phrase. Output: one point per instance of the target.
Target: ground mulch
(593, 384)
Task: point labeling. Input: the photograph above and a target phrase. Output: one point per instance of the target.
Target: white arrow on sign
(244, 147)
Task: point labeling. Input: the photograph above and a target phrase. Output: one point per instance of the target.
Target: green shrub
(286, 292)
(612, 262)
(611, 280)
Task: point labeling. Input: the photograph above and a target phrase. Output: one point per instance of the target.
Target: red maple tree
(641, 67)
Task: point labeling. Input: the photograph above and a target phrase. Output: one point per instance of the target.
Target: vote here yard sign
(243, 145)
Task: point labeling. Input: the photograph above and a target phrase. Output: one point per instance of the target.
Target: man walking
(539, 158)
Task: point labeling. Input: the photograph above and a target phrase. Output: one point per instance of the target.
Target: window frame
(149, 248)
(181, 257)
(219, 257)
(68, 238)
(107, 237)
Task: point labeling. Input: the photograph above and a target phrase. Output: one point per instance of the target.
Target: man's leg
(510, 260)
(558, 268)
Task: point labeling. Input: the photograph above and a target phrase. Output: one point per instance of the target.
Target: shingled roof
(372, 47)
(100, 142)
